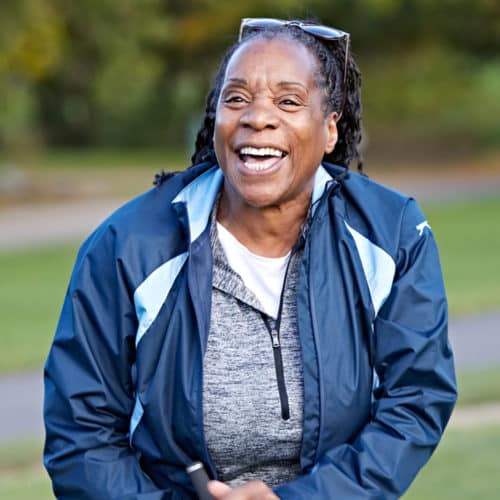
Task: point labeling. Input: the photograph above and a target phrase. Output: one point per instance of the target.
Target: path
(22, 401)
(467, 417)
(55, 223)
(431, 185)
(476, 340)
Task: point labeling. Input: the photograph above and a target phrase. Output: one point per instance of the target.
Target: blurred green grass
(22, 476)
(31, 295)
(468, 235)
(464, 467)
(95, 158)
(34, 280)
(478, 386)
(67, 159)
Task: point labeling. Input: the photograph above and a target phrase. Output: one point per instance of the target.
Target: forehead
(276, 58)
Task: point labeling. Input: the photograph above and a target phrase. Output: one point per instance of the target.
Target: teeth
(248, 150)
(256, 166)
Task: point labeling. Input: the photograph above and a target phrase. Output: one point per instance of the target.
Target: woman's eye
(235, 99)
(289, 102)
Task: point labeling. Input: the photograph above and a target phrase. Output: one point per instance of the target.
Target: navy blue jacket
(123, 380)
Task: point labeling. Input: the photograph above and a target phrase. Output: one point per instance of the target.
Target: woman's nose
(259, 115)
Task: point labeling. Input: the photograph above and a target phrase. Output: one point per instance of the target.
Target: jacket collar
(321, 180)
(200, 195)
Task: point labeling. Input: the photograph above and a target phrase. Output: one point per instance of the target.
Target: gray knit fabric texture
(245, 433)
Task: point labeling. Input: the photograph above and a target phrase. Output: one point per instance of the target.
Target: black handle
(199, 478)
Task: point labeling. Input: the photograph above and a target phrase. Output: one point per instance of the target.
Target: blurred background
(98, 95)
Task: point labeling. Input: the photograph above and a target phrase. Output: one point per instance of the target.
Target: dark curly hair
(330, 78)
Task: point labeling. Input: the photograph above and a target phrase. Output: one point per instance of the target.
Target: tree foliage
(135, 72)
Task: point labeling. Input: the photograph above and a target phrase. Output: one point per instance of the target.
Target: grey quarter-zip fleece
(246, 435)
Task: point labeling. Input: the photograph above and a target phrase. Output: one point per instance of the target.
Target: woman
(267, 313)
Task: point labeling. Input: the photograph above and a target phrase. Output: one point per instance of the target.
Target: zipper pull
(275, 338)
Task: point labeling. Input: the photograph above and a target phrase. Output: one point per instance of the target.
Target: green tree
(31, 40)
(135, 72)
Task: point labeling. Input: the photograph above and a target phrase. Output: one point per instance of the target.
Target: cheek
(219, 137)
(217, 129)
(325, 137)
(224, 126)
(313, 140)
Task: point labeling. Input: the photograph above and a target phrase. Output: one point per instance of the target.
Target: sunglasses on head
(252, 24)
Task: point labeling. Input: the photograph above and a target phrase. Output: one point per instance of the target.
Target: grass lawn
(464, 467)
(475, 387)
(95, 159)
(22, 476)
(32, 289)
(468, 234)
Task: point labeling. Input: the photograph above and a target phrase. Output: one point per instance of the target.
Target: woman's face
(270, 128)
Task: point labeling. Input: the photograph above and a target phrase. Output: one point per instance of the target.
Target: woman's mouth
(260, 159)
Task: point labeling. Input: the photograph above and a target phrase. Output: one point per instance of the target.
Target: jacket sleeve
(88, 386)
(416, 392)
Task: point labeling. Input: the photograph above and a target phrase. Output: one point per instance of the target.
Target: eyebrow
(241, 81)
(283, 83)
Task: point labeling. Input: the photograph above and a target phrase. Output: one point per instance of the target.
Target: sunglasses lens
(262, 22)
(252, 24)
(324, 32)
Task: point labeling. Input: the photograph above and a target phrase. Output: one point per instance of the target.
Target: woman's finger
(218, 489)
(253, 490)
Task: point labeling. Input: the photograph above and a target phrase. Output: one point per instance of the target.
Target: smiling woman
(267, 312)
(270, 136)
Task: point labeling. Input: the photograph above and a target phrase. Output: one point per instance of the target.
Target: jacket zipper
(274, 332)
(280, 374)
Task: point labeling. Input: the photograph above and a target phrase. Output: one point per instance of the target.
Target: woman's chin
(260, 198)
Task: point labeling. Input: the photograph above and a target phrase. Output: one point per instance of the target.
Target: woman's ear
(331, 130)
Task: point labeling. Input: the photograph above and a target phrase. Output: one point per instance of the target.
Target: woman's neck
(269, 231)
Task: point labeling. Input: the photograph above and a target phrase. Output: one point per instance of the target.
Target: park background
(98, 95)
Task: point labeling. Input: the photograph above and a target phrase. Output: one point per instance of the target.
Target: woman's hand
(253, 490)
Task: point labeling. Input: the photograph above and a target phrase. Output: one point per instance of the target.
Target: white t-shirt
(264, 276)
